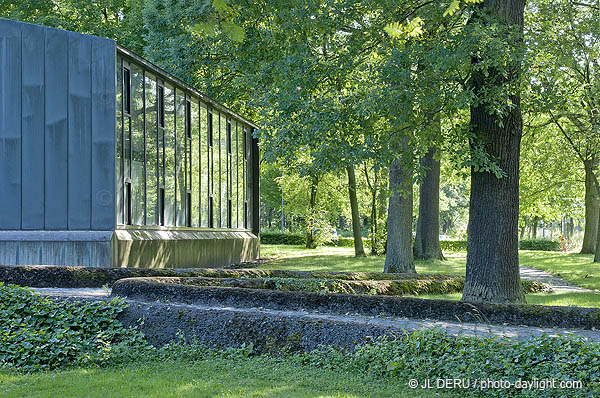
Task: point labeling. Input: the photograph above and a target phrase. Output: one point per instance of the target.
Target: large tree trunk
(427, 239)
(399, 253)
(492, 243)
(592, 211)
(359, 250)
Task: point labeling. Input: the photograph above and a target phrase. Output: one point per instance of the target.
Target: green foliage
(540, 244)
(39, 334)
(432, 354)
(277, 238)
(116, 19)
(274, 238)
(453, 245)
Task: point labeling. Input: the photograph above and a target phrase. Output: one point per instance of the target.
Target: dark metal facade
(105, 159)
(56, 129)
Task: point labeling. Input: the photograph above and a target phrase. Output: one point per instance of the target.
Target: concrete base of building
(183, 248)
(129, 248)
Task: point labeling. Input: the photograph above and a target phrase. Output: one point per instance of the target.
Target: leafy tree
(564, 37)
(117, 19)
(551, 184)
(496, 123)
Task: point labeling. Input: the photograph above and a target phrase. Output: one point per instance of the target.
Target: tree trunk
(492, 243)
(427, 240)
(522, 233)
(533, 228)
(359, 250)
(399, 253)
(592, 211)
(374, 231)
(310, 238)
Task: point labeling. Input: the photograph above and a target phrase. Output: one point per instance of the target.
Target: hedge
(540, 244)
(417, 285)
(276, 238)
(453, 245)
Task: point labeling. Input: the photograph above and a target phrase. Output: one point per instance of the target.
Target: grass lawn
(579, 269)
(575, 268)
(342, 259)
(246, 377)
(578, 299)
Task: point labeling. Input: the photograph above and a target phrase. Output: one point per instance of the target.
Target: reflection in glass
(195, 165)
(119, 160)
(204, 166)
(234, 175)
(169, 149)
(180, 157)
(224, 169)
(151, 152)
(137, 144)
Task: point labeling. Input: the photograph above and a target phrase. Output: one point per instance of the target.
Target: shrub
(276, 238)
(432, 354)
(415, 285)
(453, 245)
(37, 334)
(540, 244)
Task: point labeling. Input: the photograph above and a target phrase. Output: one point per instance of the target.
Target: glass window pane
(244, 176)
(213, 166)
(195, 166)
(234, 175)
(224, 169)
(204, 166)
(180, 157)
(240, 176)
(137, 144)
(169, 156)
(151, 152)
(119, 160)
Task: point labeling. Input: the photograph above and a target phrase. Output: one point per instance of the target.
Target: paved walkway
(72, 292)
(557, 283)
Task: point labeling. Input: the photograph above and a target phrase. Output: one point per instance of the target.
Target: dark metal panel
(55, 100)
(80, 127)
(103, 134)
(10, 125)
(32, 101)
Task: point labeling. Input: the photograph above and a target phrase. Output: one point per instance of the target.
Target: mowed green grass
(579, 269)
(342, 259)
(246, 377)
(563, 299)
(575, 268)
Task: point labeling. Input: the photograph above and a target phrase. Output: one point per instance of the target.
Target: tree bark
(399, 253)
(492, 243)
(359, 250)
(592, 211)
(427, 239)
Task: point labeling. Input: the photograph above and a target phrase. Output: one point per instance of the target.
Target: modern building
(108, 160)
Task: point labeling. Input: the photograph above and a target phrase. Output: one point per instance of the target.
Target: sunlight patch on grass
(578, 269)
(561, 299)
(300, 258)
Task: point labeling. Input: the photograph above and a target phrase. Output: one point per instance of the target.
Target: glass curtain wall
(179, 162)
(151, 150)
